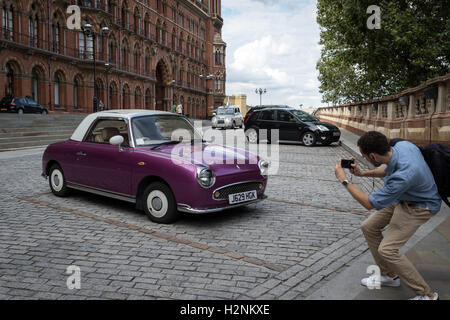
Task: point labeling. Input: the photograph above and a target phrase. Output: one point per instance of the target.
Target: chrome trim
(233, 184)
(186, 208)
(101, 192)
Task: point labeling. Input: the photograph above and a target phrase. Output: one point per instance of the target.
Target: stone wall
(420, 114)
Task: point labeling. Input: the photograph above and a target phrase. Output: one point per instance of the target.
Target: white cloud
(273, 45)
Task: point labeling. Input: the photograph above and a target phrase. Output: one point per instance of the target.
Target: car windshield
(304, 116)
(160, 129)
(225, 111)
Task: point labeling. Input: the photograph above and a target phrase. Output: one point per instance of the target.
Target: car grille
(236, 188)
(220, 121)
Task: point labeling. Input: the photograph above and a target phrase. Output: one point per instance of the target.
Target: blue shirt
(408, 178)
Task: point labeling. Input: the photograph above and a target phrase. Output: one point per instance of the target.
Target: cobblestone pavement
(282, 248)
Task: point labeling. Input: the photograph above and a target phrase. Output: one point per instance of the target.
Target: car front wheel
(57, 181)
(309, 139)
(159, 203)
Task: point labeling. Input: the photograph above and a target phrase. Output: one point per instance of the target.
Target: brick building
(149, 54)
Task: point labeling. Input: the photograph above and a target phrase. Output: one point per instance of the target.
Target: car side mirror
(117, 141)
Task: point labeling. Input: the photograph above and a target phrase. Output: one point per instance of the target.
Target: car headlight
(264, 167)
(205, 177)
(227, 120)
(322, 128)
(214, 119)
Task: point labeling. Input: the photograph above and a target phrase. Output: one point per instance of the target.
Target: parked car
(21, 105)
(293, 125)
(228, 117)
(129, 155)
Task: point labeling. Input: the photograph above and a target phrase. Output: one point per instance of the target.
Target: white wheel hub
(308, 139)
(57, 180)
(157, 203)
(252, 136)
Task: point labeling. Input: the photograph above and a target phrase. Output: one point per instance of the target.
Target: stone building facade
(148, 54)
(420, 114)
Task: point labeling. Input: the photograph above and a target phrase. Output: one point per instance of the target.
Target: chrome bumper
(189, 209)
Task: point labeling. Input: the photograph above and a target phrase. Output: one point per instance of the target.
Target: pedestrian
(174, 108)
(101, 105)
(179, 109)
(408, 199)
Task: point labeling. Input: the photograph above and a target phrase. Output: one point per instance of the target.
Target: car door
(288, 126)
(266, 122)
(33, 106)
(22, 103)
(101, 165)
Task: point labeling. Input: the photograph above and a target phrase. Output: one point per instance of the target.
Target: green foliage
(412, 46)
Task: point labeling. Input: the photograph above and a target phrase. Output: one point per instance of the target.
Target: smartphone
(347, 163)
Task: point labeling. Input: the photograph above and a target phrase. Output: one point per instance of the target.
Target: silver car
(228, 117)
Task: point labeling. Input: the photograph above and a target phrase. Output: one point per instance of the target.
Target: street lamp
(108, 68)
(88, 30)
(260, 91)
(209, 76)
(172, 83)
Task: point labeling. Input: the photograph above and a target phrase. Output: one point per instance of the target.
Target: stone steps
(30, 130)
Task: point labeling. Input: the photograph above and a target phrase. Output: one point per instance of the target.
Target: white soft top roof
(80, 131)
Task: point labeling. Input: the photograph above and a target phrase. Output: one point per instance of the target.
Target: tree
(412, 46)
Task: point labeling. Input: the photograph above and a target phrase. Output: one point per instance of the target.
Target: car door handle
(81, 153)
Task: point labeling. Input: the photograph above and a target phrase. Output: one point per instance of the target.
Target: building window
(33, 31)
(9, 85)
(76, 87)
(56, 38)
(8, 25)
(34, 85)
(57, 88)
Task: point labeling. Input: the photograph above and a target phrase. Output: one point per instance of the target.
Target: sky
(273, 45)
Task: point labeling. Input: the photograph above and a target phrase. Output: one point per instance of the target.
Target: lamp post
(209, 76)
(260, 91)
(107, 68)
(88, 31)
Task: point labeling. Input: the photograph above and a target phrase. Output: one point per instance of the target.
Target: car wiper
(165, 143)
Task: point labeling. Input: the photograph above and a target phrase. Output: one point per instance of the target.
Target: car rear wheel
(252, 135)
(44, 112)
(20, 111)
(159, 203)
(57, 181)
(309, 139)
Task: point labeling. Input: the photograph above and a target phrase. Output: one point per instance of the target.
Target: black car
(293, 125)
(21, 105)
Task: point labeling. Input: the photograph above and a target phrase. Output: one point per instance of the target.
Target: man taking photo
(408, 199)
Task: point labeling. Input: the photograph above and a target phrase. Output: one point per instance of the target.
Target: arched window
(9, 85)
(147, 98)
(34, 85)
(57, 88)
(76, 93)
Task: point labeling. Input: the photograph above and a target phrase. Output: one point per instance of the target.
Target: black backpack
(437, 156)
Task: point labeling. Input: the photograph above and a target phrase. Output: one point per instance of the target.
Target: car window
(31, 101)
(284, 116)
(105, 129)
(304, 116)
(267, 115)
(150, 130)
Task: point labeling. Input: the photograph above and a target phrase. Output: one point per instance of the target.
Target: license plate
(336, 133)
(242, 197)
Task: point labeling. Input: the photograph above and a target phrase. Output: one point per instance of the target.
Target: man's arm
(375, 173)
(356, 193)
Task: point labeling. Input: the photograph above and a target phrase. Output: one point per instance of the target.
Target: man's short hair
(374, 142)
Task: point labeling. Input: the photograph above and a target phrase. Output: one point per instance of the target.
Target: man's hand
(339, 172)
(355, 168)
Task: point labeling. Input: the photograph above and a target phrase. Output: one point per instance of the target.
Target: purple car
(156, 160)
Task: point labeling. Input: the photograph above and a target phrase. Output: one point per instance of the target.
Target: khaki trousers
(403, 220)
